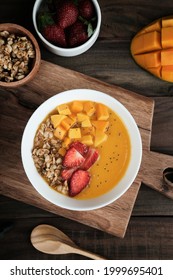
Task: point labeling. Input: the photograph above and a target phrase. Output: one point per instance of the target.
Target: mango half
(152, 48)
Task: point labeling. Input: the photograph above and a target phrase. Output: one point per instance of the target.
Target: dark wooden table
(150, 231)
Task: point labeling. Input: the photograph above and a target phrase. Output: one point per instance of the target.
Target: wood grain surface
(117, 214)
(149, 233)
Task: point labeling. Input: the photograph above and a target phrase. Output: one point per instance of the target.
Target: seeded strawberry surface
(67, 13)
(55, 34)
(86, 9)
(77, 34)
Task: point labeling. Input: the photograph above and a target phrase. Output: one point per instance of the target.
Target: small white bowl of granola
(67, 28)
(81, 149)
(19, 55)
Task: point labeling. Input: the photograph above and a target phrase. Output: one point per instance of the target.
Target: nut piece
(16, 53)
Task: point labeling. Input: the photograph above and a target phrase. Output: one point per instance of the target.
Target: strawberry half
(80, 147)
(67, 13)
(90, 159)
(79, 180)
(55, 34)
(73, 158)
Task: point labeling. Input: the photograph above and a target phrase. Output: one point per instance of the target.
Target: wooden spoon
(51, 240)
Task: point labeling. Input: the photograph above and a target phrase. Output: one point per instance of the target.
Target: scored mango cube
(102, 112)
(167, 37)
(167, 21)
(77, 106)
(56, 119)
(60, 132)
(63, 109)
(89, 108)
(167, 57)
(74, 133)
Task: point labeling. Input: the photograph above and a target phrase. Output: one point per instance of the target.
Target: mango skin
(152, 48)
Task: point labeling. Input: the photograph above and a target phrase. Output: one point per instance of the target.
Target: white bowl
(68, 52)
(39, 183)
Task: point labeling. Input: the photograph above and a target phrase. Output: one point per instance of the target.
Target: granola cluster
(47, 158)
(16, 53)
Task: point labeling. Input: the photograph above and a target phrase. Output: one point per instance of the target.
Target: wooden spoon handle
(87, 254)
(153, 167)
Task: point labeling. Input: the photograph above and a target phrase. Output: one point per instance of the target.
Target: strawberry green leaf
(44, 19)
(90, 30)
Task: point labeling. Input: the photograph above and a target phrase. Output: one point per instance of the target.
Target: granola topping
(16, 53)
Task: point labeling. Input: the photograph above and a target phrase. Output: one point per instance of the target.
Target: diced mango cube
(67, 123)
(100, 137)
(77, 106)
(74, 133)
(88, 130)
(86, 123)
(89, 108)
(87, 139)
(101, 125)
(82, 117)
(66, 142)
(62, 151)
(60, 132)
(63, 109)
(102, 112)
(73, 117)
(56, 119)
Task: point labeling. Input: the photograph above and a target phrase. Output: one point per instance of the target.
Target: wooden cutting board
(17, 105)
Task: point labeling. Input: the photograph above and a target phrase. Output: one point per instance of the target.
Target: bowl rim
(37, 59)
(66, 50)
(38, 182)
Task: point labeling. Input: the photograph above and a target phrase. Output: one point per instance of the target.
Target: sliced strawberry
(73, 158)
(80, 147)
(79, 180)
(67, 173)
(90, 159)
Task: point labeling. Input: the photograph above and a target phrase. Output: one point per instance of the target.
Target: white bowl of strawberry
(67, 27)
(81, 149)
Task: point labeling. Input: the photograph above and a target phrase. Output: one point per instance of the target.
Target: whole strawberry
(67, 13)
(86, 9)
(55, 34)
(77, 34)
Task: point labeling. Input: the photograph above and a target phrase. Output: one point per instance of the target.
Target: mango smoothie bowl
(81, 149)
